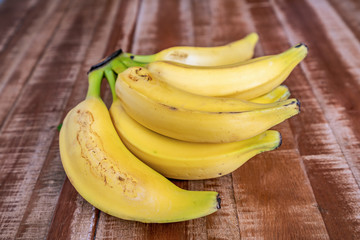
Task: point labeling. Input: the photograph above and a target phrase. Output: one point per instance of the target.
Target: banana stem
(143, 58)
(111, 78)
(117, 65)
(95, 77)
(128, 62)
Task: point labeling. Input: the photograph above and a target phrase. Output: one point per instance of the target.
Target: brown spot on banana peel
(133, 77)
(100, 164)
(170, 107)
(138, 76)
(178, 55)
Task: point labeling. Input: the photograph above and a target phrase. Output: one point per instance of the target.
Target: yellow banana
(185, 160)
(280, 93)
(237, 51)
(143, 82)
(246, 80)
(189, 117)
(112, 179)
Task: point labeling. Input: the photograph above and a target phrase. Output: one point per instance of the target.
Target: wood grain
(12, 15)
(349, 12)
(259, 212)
(306, 189)
(316, 128)
(28, 132)
(22, 51)
(82, 212)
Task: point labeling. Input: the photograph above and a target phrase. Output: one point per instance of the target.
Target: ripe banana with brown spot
(111, 178)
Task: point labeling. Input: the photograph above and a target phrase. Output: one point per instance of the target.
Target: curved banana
(246, 80)
(143, 82)
(237, 51)
(185, 160)
(112, 179)
(188, 117)
(280, 93)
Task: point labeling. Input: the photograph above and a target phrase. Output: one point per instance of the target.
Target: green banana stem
(117, 65)
(128, 62)
(143, 58)
(111, 78)
(95, 77)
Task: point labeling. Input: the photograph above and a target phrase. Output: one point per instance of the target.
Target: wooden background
(307, 189)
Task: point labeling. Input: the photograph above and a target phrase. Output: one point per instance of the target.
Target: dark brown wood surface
(307, 189)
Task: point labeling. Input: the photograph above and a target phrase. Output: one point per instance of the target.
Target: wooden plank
(343, 38)
(324, 157)
(332, 77)
(12, 14)
(24, 50)
(256, 217)
(349, 12)
(69, 205)
(29, 130)
(80, 220)
(274, 199)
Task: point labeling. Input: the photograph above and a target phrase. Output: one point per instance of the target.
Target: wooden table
(307, 189)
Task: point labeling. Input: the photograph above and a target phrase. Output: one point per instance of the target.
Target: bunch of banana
(118, 158)
(185, 160)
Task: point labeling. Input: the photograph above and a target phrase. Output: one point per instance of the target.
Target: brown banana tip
(301, 44)
(218, 199)
(298, 105)
(106, 60)
(280, 141)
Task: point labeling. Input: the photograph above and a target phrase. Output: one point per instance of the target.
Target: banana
(185, 160)
(111, 178)
(189, 117)
(280, 93)
(246, 80)
(237, 51)
(143, 82)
